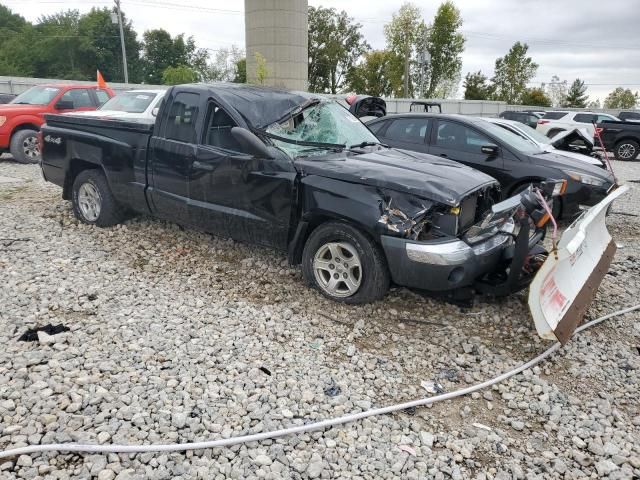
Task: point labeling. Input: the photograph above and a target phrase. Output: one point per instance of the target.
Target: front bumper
(442, 265)
(5, 139)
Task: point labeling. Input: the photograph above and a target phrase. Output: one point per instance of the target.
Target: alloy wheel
(89, 201)
(337, 269)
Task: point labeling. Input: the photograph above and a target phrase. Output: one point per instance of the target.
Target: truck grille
(475, 206)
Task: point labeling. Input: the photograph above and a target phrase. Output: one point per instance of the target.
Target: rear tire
(345, 264)
(626, 150)
(93, 202)
(24, 146)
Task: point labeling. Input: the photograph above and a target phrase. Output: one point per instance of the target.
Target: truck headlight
(2, 120)
(586, 179)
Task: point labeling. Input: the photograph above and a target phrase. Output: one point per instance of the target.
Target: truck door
(235, 194)
(171, 154)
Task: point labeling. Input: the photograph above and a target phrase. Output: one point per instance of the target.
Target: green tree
(577, 95)
(476, 86)
(335, 44)
(372, 75)
(556, 91)
(223, 68)
(101, 48)
(262, 71)
(18, 38)
(621, 98)
(512, 73)
(162, 51)
(240, 71)
(73, 46)
(179, 75)
(59, 50)
(535, 97)
(402, 34)
(445, 45)
(594, 105)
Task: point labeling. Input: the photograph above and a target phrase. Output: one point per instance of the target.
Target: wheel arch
(76, 165)
(24, 126)
(311, 222)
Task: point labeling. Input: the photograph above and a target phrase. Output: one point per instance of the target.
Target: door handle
(203, 166)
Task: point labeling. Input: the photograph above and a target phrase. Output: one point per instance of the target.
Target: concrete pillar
(277, 30)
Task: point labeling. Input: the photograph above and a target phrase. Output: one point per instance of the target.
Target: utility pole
(124, 51)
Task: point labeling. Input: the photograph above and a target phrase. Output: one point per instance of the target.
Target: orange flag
(101, 82)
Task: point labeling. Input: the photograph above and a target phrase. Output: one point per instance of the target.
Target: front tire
(24, 146)
(92, 200)
(345, 264)
(626, 150)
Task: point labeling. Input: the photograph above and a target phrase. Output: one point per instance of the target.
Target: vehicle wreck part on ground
(568, 281)
(31, 335)
(227, 442)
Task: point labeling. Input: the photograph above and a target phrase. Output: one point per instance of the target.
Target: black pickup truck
(302, 175)
(621, 138)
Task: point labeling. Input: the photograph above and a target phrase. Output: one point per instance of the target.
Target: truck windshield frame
(321, 126)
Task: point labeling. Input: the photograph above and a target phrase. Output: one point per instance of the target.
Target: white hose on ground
(227, 442)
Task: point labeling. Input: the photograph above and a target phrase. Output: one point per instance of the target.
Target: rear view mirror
(64, 105)
(154, 112)
(489, 149)
(250, 143)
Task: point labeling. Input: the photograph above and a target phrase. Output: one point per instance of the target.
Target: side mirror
(154, 112)
(64, 105)
(250, 143)
(490, 150)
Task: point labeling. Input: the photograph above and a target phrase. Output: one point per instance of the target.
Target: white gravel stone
(179, 336)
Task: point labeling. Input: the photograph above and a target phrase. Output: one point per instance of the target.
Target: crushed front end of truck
(473, 247)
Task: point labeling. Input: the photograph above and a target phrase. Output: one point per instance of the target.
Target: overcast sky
(596, 41)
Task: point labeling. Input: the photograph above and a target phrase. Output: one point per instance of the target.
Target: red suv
(21, 119)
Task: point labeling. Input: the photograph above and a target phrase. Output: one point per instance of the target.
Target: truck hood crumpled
(419, 174)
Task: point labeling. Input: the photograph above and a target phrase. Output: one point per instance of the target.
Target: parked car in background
(526, 118)
(621, 138)
(301, 174)
(558, 121)
(21, 119)
(630, 116)
(131, 105)
(6, 97)
(560, 144)
(514, 161)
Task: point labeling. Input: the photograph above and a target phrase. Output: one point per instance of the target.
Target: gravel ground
(178, 336)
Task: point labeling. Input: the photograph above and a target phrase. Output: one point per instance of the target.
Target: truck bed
(118, 147)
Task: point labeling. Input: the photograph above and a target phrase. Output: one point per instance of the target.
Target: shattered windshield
(322, 123)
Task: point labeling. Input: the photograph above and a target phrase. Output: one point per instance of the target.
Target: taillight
(542, 122)
(40, 140)
(599, 130)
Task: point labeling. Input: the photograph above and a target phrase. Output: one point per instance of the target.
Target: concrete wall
(480, 108)
(277, 29)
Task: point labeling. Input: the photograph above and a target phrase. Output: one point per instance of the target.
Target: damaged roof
(260, 106)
